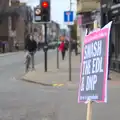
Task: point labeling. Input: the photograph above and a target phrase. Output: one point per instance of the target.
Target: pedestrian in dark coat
(111, 51)
(31, 47)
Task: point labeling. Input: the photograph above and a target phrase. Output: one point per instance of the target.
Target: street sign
(69, 17)
(94, 66)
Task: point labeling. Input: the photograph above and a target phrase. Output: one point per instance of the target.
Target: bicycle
(28, 60)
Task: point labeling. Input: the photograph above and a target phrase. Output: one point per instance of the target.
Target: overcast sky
(57, 9)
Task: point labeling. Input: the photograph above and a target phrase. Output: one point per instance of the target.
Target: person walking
(31, 47)
(74, 46)
(3, 47)
(111, 51)
(62, 49)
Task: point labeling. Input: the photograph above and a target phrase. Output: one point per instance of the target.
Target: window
(116, 1)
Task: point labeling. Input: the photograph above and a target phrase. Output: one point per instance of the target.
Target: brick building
(15, 22)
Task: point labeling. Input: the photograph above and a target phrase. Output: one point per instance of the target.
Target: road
(26, 101)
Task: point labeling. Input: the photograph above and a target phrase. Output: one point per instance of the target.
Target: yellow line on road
(54, 85)
(59, 85)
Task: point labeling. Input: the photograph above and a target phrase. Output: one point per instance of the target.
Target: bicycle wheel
(27, 64)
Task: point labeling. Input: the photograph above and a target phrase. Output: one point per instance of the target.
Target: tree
(74, 31)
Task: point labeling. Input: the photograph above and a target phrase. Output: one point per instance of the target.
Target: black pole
(70, 79)
(45, 49)
(101, 14)
(70, 54)
(57, 36)
(57, 56)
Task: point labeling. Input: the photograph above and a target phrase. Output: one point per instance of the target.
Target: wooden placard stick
(89, 110)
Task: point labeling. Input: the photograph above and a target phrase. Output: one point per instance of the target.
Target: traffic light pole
(101, 14)
(70, 47)
(57, 53)
(57, 46)
(70, 55)
(45, 48)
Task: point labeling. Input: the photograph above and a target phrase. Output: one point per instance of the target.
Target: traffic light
(37, 14)
(42, 12)
(45, 10)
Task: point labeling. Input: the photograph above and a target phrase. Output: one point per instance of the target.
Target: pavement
(60, 77)
(10, 53)
(21, 100)
(55, 77)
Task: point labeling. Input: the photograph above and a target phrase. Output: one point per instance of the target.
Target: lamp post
(70, 46)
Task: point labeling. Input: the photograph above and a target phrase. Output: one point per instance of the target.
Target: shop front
(114, 15)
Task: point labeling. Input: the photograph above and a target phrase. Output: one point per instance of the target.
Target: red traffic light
(45, 4)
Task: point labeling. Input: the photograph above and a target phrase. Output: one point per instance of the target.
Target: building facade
(84, 6)
(53, 29)
(111, 12)
(103, 11)
(3, 22)
(87, 12)
(15, 20)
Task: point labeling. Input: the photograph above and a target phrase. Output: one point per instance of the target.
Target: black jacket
(111, 48)
(111, 45)
(30, 45)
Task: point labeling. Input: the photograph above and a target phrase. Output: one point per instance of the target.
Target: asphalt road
(26, 101)
(13, 65)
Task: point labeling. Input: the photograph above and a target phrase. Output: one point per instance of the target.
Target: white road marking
(47, 90)
(13, 79)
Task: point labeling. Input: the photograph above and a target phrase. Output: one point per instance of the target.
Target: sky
(57, 9)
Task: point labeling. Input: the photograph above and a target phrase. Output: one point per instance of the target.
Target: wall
(20, 30)
(40, 31)
(4, 29)
(4, 22)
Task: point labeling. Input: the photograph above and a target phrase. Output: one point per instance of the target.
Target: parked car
(52, 44)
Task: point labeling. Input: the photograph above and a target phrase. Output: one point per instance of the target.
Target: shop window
(116, 1)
